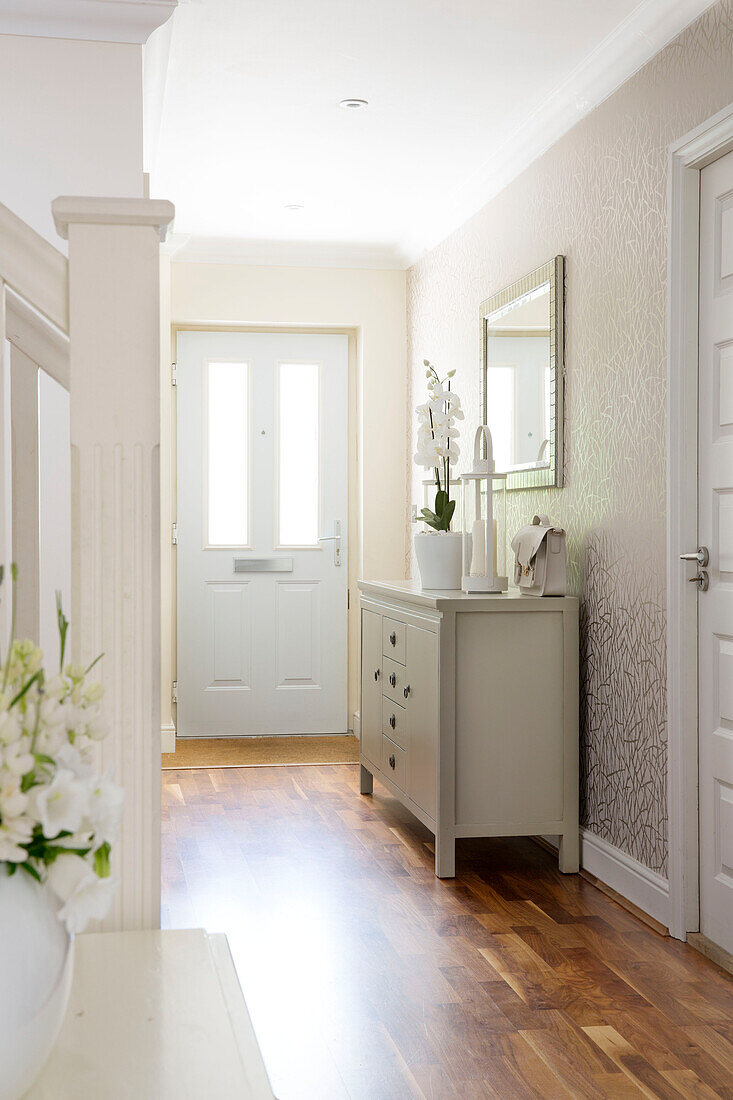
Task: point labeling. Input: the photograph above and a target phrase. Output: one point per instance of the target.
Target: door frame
(688, 156)
(354, 524)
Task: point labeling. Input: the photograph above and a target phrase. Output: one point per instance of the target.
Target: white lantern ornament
(483, 496)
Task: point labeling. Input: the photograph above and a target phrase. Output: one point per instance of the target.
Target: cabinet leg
(569, 852)
(366, 781)
(445, 856)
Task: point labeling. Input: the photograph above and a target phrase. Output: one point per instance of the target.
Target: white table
(154, 1016)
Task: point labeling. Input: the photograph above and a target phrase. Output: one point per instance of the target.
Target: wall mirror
(522, 376)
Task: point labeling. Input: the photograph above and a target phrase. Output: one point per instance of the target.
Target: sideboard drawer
(393, 640)
(394, 722)
(394, 681)
(393, 762)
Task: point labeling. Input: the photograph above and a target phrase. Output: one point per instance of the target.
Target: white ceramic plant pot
(439, 559)
(36, 966)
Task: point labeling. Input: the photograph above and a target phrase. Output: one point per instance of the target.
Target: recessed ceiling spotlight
(354, 104)
(294, 206)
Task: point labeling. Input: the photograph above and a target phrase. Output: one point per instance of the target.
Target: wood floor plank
(369, 979)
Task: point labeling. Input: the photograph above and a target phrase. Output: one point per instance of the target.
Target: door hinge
(174, 374)
(174, 691)
(174, 534)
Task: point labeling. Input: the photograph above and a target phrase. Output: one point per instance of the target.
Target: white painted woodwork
(95, 20)
(261, 652)
(703, 145)
(34, 269)
(372, 684)
(115, 437)
(25, 491)
(715, 530)
(42, 341)
(6, 458)
(54, 511)
(486, 730)
(154, 1014)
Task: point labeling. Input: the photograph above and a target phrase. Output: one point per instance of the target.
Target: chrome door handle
(393, 721)
(393, 679)
(701, 556)
(406, 692)
(335, 538)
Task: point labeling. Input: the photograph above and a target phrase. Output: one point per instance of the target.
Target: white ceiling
(243, 117)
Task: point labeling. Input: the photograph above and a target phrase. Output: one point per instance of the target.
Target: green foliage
(101, 861)
(63, 623)
(440, 519)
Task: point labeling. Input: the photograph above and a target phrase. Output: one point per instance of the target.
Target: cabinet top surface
(411, 592)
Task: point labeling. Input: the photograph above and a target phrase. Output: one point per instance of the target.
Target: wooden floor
(258, 752)
(366, 977)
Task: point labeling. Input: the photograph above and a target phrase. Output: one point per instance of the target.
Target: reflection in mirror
(522, 377)
(518, 380)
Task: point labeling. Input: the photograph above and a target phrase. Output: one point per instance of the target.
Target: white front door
(262, 527)
(715, 526)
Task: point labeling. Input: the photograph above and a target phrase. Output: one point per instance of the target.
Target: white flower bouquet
(58, 817)
(437, 443)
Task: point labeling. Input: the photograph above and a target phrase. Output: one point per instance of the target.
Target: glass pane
(227, 432)
(298, 466)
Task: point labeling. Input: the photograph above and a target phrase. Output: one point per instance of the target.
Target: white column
(114, 292)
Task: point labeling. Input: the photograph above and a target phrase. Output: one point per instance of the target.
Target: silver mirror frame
(551, 476)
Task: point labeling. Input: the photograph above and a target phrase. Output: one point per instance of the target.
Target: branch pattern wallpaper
(599, 197)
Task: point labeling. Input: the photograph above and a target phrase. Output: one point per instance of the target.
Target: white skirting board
(168, 739)
(646, 889)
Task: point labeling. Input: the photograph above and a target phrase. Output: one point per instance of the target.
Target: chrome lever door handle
(335, 538)
(701, 556)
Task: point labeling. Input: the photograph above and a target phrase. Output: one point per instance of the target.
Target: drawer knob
(376, 673)
(393, 721)
(406, 692)
(393, 679)
(393, 638)
(392, 762)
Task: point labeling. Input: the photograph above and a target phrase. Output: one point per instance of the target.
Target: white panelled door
(715, 525)
(262, 529)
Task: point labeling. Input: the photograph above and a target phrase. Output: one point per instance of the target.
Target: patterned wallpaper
(599, 197)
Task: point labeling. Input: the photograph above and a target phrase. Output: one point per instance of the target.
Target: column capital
(90, 210)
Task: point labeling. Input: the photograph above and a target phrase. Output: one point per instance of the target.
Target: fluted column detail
(115, 436)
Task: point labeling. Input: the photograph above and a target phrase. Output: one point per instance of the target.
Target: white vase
(439, 559)
(36, 967)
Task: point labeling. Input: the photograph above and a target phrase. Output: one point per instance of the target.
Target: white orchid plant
(437, 443)
(58, 817)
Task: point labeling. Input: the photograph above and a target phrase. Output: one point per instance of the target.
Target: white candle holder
(483, 511)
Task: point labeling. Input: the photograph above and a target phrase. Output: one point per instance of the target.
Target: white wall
(370, 305)
(70, 124)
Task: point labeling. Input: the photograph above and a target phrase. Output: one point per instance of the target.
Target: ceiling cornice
(131, 21)
(647, 30)
(213, 250)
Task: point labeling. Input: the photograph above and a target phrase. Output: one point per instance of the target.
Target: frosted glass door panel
(298, 454)
(227, 443)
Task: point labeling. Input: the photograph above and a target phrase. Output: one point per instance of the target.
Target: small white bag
(540, 559)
